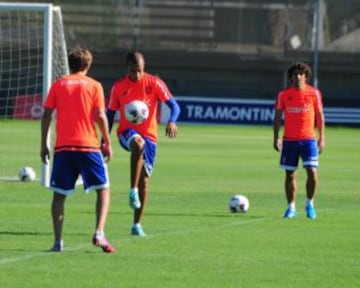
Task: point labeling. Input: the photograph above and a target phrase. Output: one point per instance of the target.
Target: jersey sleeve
(113, 102)
(174, 109)
(100, 98)
(162, 91)
(50, 101)
(318, 100)
(279, 103)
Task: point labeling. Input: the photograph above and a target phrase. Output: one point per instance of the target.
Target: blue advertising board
(245, 111)
(225, 111)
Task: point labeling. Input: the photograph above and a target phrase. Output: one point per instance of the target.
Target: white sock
(135, 189)
(292, 206)
(99, 234)
(59, 242)
(309, 202)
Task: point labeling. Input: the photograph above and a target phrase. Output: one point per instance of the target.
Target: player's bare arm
(320, 123)
(277, 124)
(101, 120)
(45, 125)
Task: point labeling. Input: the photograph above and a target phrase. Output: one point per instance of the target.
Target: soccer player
(80, 104)
(302, 108)
(140, 139)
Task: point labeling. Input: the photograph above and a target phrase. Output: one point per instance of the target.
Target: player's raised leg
(137, 145)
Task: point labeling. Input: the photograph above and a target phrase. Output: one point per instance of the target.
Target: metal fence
(251, 27)
(244, 27)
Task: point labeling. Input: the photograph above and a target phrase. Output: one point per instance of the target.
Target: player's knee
(312, 173)
(137, 144)
(145, 182)
(290, 173)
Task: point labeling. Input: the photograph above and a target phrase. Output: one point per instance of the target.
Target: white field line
(155, 235)
(28, 256)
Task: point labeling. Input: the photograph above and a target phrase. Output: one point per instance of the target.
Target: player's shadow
(20, 234)
(23, 233)
(31, 234)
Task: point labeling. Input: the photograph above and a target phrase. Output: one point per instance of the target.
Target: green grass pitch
(193, 240)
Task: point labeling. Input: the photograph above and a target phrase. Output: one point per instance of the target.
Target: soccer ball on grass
(27, 174)
(136, 111)
(239, 203)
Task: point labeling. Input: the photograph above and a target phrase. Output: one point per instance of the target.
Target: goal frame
(47, 9)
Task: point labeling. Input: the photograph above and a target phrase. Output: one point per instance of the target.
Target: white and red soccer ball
(136, 111)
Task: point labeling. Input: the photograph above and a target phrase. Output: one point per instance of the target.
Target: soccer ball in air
(27, 174)
(136, 111)
(239, 203)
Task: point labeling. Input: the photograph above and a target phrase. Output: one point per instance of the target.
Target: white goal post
(33, 54)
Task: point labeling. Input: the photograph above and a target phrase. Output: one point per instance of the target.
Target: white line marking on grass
(36, 254)
(25, 257)
(160, 234)
(128, 239)
(204, 228)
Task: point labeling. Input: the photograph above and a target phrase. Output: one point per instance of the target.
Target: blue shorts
(149, 151)
(67, 167)
(293, 150)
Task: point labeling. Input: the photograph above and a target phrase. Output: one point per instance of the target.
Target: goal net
(32, 54)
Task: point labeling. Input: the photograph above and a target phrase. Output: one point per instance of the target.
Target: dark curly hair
(299, 68)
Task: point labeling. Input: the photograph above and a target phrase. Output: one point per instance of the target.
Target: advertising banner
(28, 107)
(223, 111)
(199, 110)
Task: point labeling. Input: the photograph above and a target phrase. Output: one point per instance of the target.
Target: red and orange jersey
(149, 89)
(76, 98)
(299, 108)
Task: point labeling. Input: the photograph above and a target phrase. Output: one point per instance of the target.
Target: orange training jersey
(149, 89)
(75, 98)
(299, 108)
